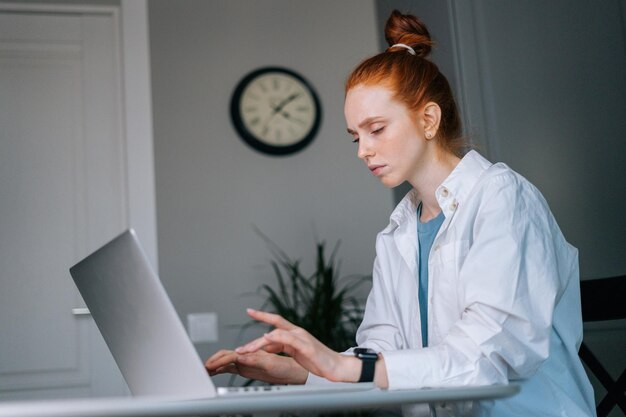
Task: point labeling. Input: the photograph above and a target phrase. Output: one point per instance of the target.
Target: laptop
(144, 333)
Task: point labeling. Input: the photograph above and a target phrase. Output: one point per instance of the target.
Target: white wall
(212, 188)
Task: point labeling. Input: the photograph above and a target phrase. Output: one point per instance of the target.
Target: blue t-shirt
(426, 233)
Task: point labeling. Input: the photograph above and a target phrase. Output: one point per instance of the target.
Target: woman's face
(389, 137)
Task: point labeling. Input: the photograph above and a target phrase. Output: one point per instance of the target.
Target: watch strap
(368, 359)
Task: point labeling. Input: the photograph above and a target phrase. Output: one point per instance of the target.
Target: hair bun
(409, 30)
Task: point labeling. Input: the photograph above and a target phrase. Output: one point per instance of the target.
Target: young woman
(473, 282)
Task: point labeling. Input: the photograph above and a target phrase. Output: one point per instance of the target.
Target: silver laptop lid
(139, 323)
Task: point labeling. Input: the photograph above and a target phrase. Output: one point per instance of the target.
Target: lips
(376, 169)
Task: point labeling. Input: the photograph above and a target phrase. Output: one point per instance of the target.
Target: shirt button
(436, 247)
(454, 205)
(444, 192)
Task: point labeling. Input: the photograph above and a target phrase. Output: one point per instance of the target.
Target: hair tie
(407, 47)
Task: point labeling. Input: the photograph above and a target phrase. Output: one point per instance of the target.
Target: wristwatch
(368, 358)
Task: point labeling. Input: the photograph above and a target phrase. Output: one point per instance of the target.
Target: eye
(378, 130)
(355, 136)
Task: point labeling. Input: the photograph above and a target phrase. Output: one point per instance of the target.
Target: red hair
(413, 79)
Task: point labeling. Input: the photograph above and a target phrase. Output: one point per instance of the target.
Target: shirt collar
(451, 193)
(455, 189)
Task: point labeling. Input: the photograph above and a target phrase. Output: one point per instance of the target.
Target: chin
(390, 182)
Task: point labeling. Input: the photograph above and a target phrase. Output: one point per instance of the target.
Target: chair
(604, 299)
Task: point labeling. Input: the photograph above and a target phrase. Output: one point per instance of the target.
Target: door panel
(62, 192)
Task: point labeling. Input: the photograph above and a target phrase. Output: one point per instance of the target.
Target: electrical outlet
(202, 327)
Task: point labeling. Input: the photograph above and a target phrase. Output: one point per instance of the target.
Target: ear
(431, 116)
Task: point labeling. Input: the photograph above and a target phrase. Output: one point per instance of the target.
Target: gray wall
(212, 188)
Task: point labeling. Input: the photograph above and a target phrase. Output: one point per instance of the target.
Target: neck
(429, 178)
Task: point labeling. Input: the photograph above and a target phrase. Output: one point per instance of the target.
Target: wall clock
(275, 110)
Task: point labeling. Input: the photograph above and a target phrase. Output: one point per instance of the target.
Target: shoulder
(505, 199)
(501, 183)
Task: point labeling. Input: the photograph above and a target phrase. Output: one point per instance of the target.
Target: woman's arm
(309, 352)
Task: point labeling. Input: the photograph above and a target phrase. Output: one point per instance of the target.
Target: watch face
(275, 111)
(365, 353)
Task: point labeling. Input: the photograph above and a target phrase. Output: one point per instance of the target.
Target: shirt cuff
(406, 369)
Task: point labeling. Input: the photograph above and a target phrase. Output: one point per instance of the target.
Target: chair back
(604, 299)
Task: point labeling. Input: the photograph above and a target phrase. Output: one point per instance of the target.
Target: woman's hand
(306, 350)
(258, 365)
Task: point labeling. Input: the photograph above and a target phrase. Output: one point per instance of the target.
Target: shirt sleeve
(379, 329)
(510, 282)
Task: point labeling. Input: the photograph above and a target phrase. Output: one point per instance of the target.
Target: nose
(365, 150)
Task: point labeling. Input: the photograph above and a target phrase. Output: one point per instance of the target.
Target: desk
(147, 407)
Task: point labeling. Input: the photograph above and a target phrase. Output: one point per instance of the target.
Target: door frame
(136, 108)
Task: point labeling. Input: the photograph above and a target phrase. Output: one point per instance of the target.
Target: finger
(251, 346)
(228, 369)
(248, 359)
(271, 318)
(273, 348)
(219, 354)
(215, 362)
(260, 344)
(226, 356)
(290, 342)
(255, 359)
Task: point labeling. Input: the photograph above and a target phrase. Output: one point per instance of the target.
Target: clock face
(275, 111)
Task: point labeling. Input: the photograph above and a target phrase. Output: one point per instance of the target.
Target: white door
(63, 192)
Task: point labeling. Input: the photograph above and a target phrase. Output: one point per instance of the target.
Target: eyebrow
(365, 122)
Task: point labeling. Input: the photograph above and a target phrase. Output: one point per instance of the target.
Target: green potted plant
(326, 304)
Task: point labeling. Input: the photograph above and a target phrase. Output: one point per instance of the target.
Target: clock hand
(285, 102)
(291, 119)
(279, 108)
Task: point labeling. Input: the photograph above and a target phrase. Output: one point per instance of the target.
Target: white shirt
(503, 298)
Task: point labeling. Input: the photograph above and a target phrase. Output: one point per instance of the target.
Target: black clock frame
(249, 137)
